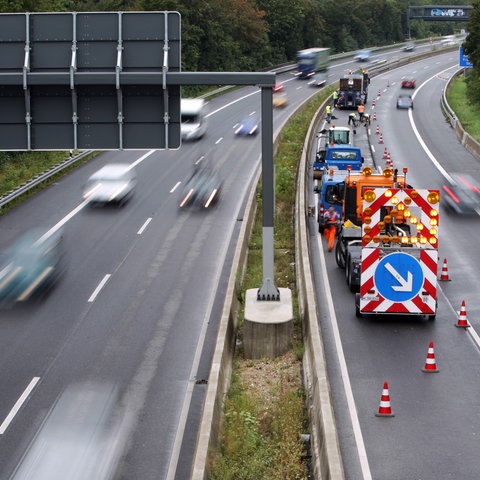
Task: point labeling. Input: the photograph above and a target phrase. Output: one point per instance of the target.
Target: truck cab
(330, 193)
(331, 136)
(340, 157)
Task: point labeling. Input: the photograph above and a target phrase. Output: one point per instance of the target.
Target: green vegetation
(265, 408)
(467, 112)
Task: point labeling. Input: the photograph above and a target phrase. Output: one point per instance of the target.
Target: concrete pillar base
(268, 325)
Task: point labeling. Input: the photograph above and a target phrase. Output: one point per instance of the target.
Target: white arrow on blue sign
(398, 277)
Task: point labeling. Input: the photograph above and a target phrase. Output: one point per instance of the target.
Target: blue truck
(338, 157)
(330, 192)
(311, 61)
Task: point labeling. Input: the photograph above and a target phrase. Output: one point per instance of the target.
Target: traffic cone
(462, 317)
(385, 409)
(430, 365)
(377, 130)
(379, 94)
(374, 116)
(380, 140)
(373, 102)
(389, 159)
(444, 275)
(385, 153)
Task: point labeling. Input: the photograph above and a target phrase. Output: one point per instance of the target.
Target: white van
(112, 184)
(194, 123)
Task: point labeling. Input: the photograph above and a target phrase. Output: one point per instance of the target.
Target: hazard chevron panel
(399, 251)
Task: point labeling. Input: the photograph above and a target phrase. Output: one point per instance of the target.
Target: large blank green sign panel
(89, 80)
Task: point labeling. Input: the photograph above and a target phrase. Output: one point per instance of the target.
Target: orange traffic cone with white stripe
(462, 317)
(385, 153)
(377, 130)
(380, 140)
(379, 93)
(444, 275)
(385, 409)
(374, 116)
(430, 364)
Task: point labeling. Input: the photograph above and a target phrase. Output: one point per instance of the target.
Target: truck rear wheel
(338, 255)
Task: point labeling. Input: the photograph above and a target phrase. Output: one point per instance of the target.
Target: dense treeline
(471, 47)
(239, 35)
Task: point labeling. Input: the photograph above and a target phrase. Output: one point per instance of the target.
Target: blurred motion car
(404, 101)
(30, 267)
(278, 87)
(203, 188)
(280, 100)
(247, 126)
(318, 80)
(408, 83)
(82, 436)
(363, 56)
(409, 47)
(112, 184)
(462, 195)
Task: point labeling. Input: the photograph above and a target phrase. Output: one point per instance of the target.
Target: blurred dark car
(30, 267)
(202, 189)
(408, 83)
(462, 195)
(404, 101)
(247, 127)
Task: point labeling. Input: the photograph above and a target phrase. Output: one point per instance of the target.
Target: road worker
(330, 230)
(361, 111)
(328, 111)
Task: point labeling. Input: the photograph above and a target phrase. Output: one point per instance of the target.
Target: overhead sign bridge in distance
(89, 80)
(440, 13)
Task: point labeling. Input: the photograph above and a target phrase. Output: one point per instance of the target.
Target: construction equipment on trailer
(353, 90)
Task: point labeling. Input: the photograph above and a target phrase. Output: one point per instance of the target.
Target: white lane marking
(175, 187)
(62, 222)
(144, 226)
(141, 159)
(18, 405)
(357, 431)
(219, 140)
(100, 286)
(417, 134)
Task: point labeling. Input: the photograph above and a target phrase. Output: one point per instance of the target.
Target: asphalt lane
(433, 433)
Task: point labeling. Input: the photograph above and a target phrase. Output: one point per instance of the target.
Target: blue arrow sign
(398, 277)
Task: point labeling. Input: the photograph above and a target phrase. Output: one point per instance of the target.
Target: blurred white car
(82, 437)
(112, 184)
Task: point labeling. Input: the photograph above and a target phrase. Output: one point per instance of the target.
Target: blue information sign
(464, 61)
(398, 277)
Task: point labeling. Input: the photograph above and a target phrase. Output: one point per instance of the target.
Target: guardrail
(467, 141)
(40, 178)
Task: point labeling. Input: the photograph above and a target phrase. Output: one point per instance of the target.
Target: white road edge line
(100, 286)
(18, 405)
(437, 165)
(357, 431)
(144, 226)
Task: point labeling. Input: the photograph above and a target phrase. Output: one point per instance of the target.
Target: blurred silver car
(112, 184)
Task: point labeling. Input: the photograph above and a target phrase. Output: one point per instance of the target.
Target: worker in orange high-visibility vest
(361, 111)
(330, 230)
